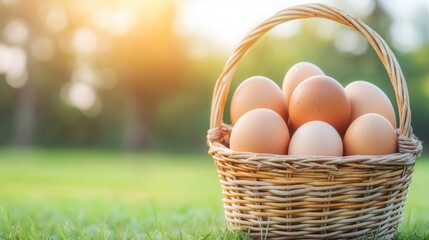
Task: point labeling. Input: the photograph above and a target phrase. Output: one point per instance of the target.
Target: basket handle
(309, 11)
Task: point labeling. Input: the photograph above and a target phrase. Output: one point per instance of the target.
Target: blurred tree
(161, 95)
(21, 35)
(151, 62)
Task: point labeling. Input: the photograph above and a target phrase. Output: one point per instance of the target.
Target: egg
(370, 134)
(316, 138)
(366, 97)
(320, 98)
(260, 131)
(257, 92)
(296, 74)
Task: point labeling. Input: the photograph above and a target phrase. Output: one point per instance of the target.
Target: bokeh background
(85, 81)
(139, 74)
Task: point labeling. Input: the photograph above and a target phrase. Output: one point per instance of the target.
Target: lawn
(58, 194)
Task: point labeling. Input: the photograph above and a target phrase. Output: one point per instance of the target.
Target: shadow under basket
(307, 197)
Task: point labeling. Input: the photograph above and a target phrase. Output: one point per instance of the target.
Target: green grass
(54, 194)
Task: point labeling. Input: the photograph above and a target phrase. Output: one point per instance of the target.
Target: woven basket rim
(410, 150)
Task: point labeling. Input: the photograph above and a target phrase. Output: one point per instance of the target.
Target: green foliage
(161, 95)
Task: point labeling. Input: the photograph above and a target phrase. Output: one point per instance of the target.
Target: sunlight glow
(406, 36)
(17, 82)
(42, 48)
(80, 92)
(114, 21)
(223, 23)
(349, 41)
(56, 19)
(4, 51)
(84, 41)
(361, 8)
(13, 63)
(405, 32)
(400, 9)
(85, 75)
(9, 2)
(287, 30)
(81, 95)
(16, 32)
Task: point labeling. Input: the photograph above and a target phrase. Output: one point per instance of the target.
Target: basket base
(267, 233)
(352, 202)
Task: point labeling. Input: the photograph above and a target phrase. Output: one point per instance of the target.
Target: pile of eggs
(313, 115)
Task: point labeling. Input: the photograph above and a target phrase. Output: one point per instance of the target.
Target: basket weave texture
(305, 197)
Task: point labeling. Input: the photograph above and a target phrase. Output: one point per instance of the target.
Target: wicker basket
(305, 197)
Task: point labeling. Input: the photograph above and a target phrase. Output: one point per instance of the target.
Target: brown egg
(316, 138)
(260, 131)
(257, 92)
(370, 134)
(296, 74)
(320, 98)
(366, 97)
